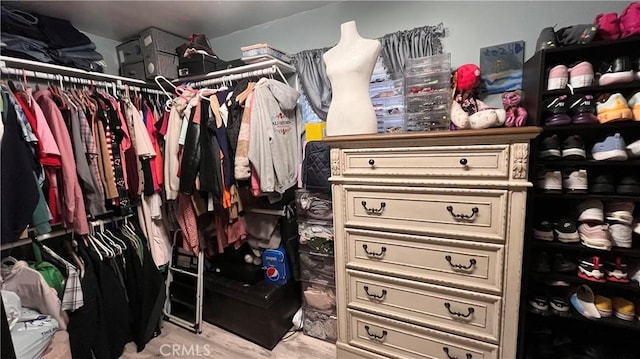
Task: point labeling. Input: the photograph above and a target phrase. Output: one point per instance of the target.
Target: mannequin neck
(349, 32)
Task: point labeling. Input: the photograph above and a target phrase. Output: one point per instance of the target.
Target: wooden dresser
(428, 241)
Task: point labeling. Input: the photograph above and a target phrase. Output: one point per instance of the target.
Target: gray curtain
(419, 42)
(312, 75)
(396, 47)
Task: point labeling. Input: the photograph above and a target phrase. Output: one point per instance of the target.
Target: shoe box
(200, 64)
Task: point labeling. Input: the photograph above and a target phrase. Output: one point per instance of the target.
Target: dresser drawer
(460, 161)
(456, 212)
(399, 340)
(471, 265)
(452, 310)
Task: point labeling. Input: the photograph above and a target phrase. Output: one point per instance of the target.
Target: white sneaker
(550, 180)
(576, 180)
(634, 149)
(620, 235)
(591, 210)
(619, 212)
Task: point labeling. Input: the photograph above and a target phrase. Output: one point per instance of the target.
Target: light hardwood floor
(225, 345)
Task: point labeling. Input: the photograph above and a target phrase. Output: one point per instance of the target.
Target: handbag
(316, 167)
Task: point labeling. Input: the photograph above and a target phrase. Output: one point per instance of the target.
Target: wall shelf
(285, 68)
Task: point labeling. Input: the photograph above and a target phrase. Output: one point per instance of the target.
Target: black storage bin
(261, 313)
(199, 64)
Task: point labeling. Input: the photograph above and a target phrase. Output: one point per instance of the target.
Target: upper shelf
(283, 66)
(36, 66)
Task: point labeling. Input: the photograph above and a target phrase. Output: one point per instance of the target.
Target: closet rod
(261, 72)
(7, 61)
(75, 80)
(59, 233)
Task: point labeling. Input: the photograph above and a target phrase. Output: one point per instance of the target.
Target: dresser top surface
(477, 136)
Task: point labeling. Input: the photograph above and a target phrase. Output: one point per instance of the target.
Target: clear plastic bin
(388, 106)
(314, 205)
(318, 296)
(320, 325)
(319, 267)
(438, 80)
(385, 89)
(427, 121)
(393, 124)
(316, 236)
(428, 60)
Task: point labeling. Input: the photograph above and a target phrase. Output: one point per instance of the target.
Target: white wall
(471, 24)
(107, 47)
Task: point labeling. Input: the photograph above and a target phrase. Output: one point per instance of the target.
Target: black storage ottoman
(261, 313)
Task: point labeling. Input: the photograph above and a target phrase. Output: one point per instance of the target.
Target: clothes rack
(245, 71)
(255, 73)
(34, 69)
(61, 232)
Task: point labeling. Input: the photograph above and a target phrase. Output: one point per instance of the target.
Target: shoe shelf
(588, 163)
(577, 247)
(611, 126)
(576, 319)
(569, 278)
(621, 87)
(585, 196)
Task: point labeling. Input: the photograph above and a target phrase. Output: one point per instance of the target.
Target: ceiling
(120, 20)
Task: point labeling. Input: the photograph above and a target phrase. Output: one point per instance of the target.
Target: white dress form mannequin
(349, 67)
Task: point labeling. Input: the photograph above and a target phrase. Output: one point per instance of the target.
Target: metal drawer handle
(383, 249)
(375, 296)
(458, 314)
(472, 262)
(464, 217)
(463, 162)
(446, 350)
(375, 336)
(374, 210)
(372, 162)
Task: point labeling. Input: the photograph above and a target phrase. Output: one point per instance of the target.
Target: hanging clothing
(276, 135)
(18, 182)
(152, 223)
(171, 147)
(72, 204)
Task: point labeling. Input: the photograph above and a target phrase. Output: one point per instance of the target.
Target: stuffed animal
(516, 115)
(467, 111)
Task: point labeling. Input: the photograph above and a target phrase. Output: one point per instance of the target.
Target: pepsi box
(276, 266)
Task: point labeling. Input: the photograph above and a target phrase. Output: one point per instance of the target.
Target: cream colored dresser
(428, 242)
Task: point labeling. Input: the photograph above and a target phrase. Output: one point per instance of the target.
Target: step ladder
(178, 298)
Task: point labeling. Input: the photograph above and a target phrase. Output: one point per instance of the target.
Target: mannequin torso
(349, 67)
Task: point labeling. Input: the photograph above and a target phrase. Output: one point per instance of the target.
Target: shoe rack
(550, 335)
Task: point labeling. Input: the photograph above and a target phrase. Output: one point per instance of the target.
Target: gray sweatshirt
(275, 148)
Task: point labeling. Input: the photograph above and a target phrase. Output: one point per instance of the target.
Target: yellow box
(315, 131)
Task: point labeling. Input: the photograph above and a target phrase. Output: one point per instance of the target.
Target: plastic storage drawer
(318, 296)
(428, 64)
(386, 89)
(318, 267)
(320, 325)
(393, 124)
(388, 106)
(314, 205)
(316, 236)
(427, 83)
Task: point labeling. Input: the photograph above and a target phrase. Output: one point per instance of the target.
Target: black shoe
(563, 265)
(543, 231)
(550, 148)
(573, 148)
(629, 185)
(566, 231)
(543, 263)
(582, 109)
(602, 184)
(555, 111)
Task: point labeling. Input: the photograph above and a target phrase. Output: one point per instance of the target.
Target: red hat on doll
(467, 77)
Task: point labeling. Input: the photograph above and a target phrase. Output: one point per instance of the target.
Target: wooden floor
(220, 344)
